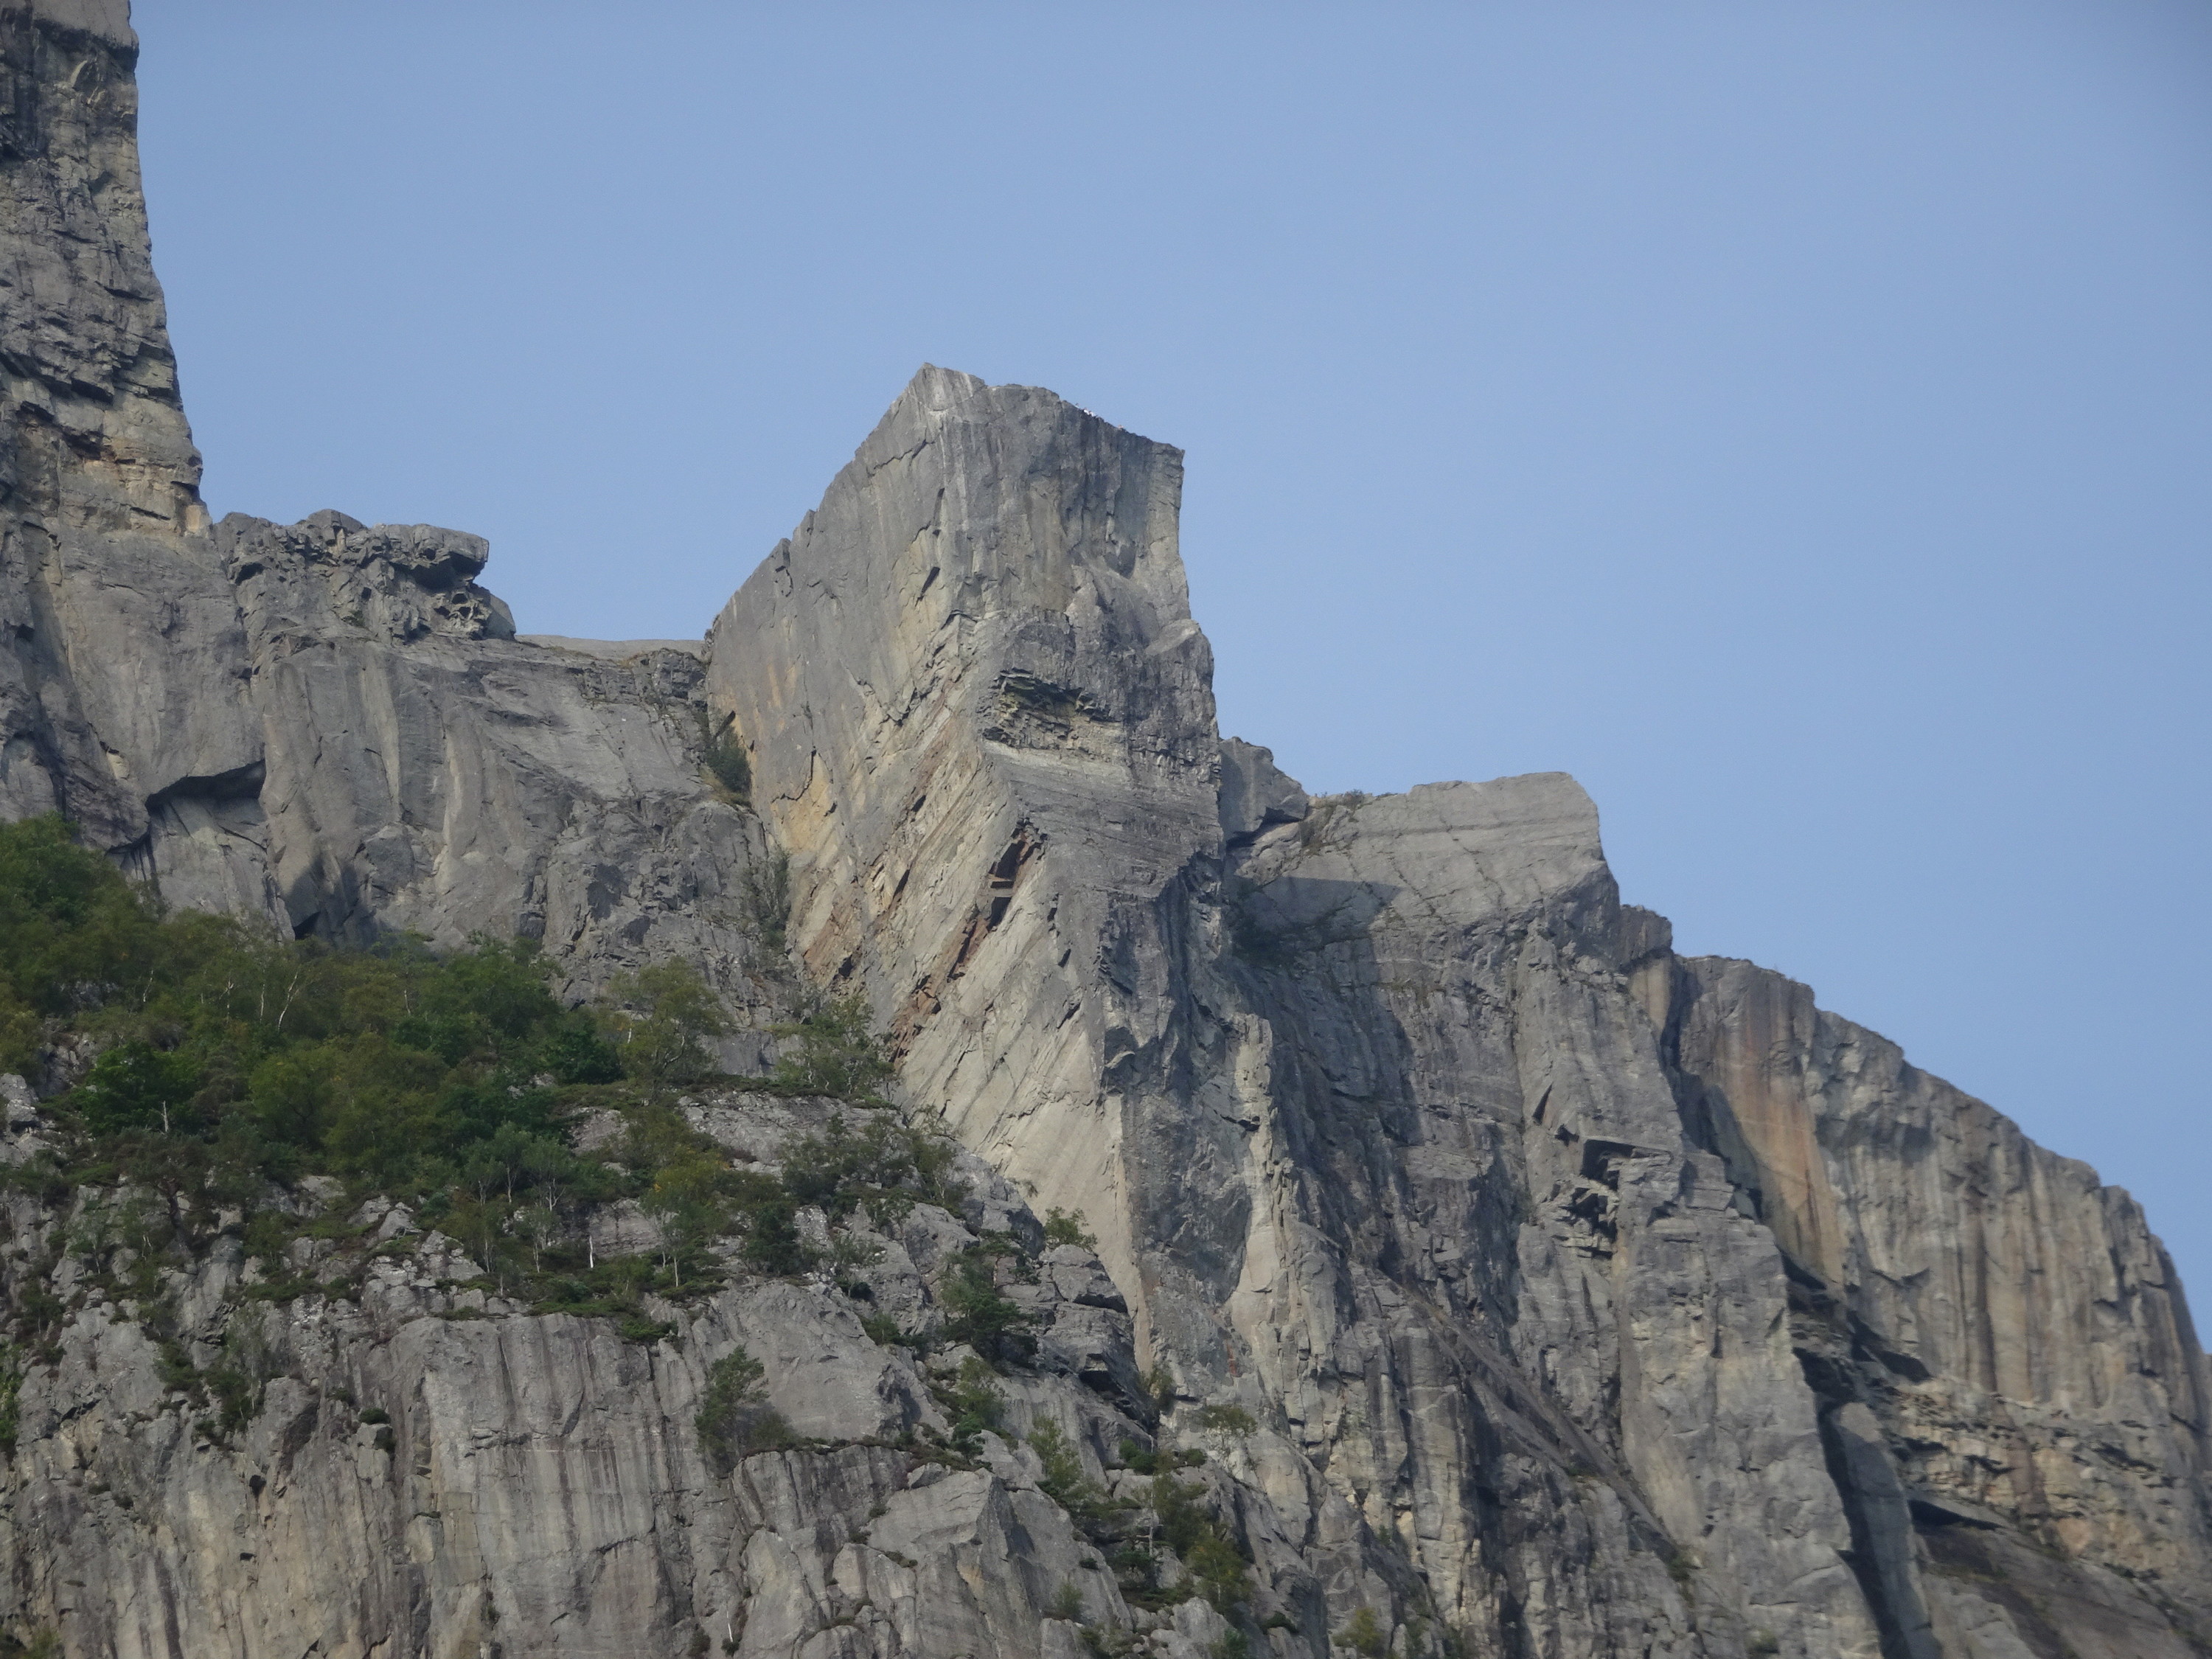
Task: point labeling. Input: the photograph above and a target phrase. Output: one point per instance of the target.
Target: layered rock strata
(1586, 1300)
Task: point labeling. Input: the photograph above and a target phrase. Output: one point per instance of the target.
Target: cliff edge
(1325, 1224)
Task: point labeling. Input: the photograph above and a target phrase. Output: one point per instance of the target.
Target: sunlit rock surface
(1585, 1300)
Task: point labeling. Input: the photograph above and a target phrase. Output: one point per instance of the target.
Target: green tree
(687, 1199)
(1364, 1635)
(1205, 1545)
(734, 1416)
(70, 928)
(838, 1055)
(838, 1168)
(11, 1392)
(772, 1241)
(134, 1085)
(576, 1054)
(289, 1094)
(665, 1015)
(1064, 1482)
(726, 759)
(981, 1314)
(1227, 1419)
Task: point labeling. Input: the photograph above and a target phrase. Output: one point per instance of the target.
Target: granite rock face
(327, 724)
(430, 1469)
(981, 721)
(1592, 1302)
(1529, 1287)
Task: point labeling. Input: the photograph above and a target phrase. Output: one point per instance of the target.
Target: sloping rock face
(1627, 1320)
(327, 724)
(2012, 1326)
(429, 1469)
(981, 721)
(1584, 1300)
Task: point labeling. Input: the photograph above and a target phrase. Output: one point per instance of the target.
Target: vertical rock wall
(328, 726)
(1589, 1301)
(120, 657)
(981, 721)
(1408, 1136)
(2011, 1325)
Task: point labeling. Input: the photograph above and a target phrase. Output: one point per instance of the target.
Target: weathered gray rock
(429, 1466)
(2012, 1324)
(1374, 1101)
(118, 652)
(981, 721)
(1581, 1299)
(329, 725)
(1255, 795)
(422, 769)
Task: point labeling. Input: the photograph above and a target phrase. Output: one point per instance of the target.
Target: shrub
(981, 1314)
(727, 762)
(766, 893)
(11, 1395)
(1160, 1387)
(1067, 1603)
(772, 1241)
(1062, 1228)
(1205, 1545)
(1064, 1480)
(884, 1330)
(576, 1054)
(134, 1085)
(1228, 1420)
(1364, 1635)
(974, 1403)
(734, 1416)
(68, 924)
(838, 1055)
(882, 1170)
(228, 1056)
(838, 1168)
(249, 1357)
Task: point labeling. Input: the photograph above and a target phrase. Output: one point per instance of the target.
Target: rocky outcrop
(1560, 1296)
(421, 768)
(428, 1468)
(2010, 1325)
(981, 721)
(1406, 1133)
(327, 724)
(118, 645)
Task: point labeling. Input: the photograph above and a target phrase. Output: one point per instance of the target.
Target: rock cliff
(1529, 1289)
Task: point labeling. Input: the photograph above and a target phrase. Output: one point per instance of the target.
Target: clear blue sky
(1791, 419)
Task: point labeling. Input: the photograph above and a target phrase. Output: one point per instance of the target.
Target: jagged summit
(1364, 1232)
